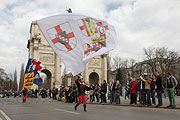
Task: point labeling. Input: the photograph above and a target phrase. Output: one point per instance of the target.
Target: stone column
(85, 75)
(36, 47)
(69, 81)
(35, 50)
(31, 49)
(105, 66)
(52, 82)
(57, 81)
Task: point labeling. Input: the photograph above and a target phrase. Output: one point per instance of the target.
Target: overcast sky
(139, 24)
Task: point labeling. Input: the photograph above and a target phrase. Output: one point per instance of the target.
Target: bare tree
(5, 80)
(161, 59)
(123, 67)
(2, 79)
(151, 59)
(132, 62)
(21, 81)
(15, 85)
(109, 66)
(10, 75)
(166, 58)
(116, 65)
(117, 62)
(127, 69)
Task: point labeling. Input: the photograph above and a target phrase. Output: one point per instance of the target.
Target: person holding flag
(81, 92)
(31, 76)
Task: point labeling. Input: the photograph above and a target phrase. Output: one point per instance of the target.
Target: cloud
(138, 23)
(146, 23)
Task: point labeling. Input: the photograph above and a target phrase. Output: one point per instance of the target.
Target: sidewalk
(127, 103)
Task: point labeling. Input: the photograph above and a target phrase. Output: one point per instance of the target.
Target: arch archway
(47, 79)
(93, 78)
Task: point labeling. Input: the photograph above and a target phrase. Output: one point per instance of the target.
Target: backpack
(152, 85)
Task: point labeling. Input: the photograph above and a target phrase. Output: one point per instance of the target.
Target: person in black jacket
(104, 91)
(96, 90)
(159, 89)
(81, 92)
(75, 94)
(36, 92)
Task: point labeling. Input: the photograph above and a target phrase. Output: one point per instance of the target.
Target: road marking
(68, 111)
(7, 118)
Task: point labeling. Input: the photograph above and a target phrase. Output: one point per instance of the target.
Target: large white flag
(76, 39)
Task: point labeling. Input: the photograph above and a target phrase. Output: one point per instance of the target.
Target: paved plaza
(48, 109)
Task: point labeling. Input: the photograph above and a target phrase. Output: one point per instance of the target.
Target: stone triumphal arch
(39, 48)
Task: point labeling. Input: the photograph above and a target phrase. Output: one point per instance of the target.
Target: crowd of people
(146, 87)
(143, 90)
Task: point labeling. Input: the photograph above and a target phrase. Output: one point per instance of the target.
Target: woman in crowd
(133, 91)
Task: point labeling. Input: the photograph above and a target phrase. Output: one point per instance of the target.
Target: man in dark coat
(75, 93)
(112, 90)
(104, 91)
(159, 89)
(36, 92)
(81, 92)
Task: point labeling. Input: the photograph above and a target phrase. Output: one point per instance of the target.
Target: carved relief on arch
(47, 57)
(95, 62)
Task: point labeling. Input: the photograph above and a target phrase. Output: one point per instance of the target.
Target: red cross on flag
(62, 37)
(76, 39)
(37, 65)
(88, 49)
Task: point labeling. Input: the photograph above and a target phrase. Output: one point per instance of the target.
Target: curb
(141, 106)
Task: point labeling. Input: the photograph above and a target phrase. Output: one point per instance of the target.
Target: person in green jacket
(171, 83)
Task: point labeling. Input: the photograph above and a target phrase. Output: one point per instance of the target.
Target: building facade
(39, 48)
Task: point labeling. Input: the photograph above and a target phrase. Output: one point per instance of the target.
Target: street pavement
(48, 109)
(165, 102)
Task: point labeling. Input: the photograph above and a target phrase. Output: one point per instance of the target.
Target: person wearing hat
(141, 90)
(147, 82)
(81, 92)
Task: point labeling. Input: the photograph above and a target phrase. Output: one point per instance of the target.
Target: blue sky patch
(114, 6)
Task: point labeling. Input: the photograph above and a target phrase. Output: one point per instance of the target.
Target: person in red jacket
(133, 91)
(25, 92)
(81, 92)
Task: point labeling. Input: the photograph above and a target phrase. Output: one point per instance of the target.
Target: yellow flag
(28, 79)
